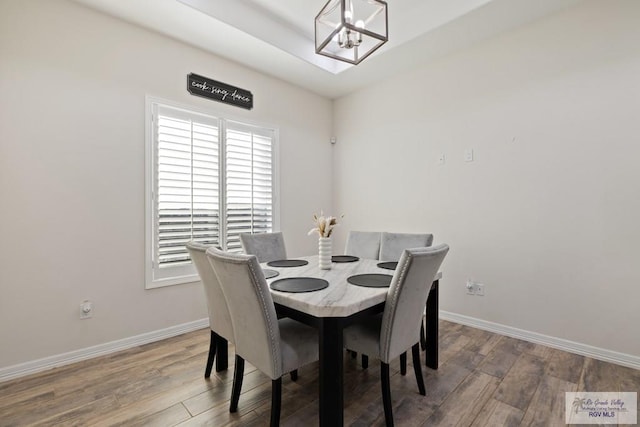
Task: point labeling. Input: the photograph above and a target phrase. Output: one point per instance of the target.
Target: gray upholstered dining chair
(265, 246)
(393, 244)
(273, 346)
(391, 247)
(219, 318)
(393, 332)
(363, 244)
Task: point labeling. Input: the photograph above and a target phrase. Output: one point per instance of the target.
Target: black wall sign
(218, 91)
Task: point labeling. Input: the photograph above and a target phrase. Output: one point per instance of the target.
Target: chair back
(265, 246)
(363, 244)
(253, 314)
(406, 299)
(393, 244)
(219, 318)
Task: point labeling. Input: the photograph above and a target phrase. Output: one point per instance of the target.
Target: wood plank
(86, 368)
(451, 346)
(463, 405)
(364, 401)
(218, 417)
(602, 376)
(500, 359)
(565, 366)
(409, 407)
(489, 344)
(208, 399)
(79, 415)
(520, 384)
(303, 416)
(439, 384)
(466, 358)
(548, 403)
(153, 404)
(162, 384)
(293, 400)
(167, 417)
(409, 410)
(540, 351)
(482, 342)
(81, 384)
(496, 413)
(446, 327)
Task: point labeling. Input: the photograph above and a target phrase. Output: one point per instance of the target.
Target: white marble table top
(340, 299)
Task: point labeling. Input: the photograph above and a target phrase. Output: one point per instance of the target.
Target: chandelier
(351, 30)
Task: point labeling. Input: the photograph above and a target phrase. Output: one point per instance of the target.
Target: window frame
(188, 273)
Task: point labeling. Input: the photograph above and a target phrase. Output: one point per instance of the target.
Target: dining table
(335, 307)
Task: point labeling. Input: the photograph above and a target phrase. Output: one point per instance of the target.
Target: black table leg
(432, 318)
(222, 354)
(331, 375)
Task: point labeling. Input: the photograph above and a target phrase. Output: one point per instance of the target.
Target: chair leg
(222, 353)
(276, 398)
(238, 373)
(365, 361)
(294, 375)
(386, 393)
(212, 354)
(415, 351)
(423, 337)
(403, 363)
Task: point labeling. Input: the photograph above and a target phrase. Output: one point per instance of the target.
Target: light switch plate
(468, 155)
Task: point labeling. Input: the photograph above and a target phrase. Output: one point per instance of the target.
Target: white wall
(547, 214)
(72, 98)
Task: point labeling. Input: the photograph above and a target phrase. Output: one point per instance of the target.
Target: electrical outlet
(86, 309)
(480, 289)
(471, 288)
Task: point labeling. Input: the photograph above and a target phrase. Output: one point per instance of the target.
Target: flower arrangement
(324, 225)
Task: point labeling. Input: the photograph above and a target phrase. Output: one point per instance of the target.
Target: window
(208, 180)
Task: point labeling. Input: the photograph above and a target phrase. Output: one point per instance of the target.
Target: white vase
(324, 253)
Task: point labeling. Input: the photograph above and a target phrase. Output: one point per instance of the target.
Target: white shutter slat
(249, 188)
(187, 184)
(188, 197)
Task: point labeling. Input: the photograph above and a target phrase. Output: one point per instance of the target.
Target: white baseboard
(534, 337)
(39, 365)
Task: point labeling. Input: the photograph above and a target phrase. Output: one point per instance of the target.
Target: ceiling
(275, 37)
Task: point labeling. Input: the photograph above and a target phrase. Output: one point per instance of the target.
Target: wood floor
(484, 380)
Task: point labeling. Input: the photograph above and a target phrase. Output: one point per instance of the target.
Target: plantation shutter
(187, 191)
(208, 180)
(249, 182)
